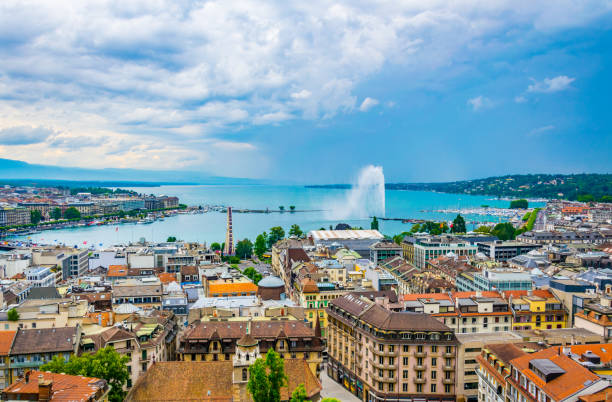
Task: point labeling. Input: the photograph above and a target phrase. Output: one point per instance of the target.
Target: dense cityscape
(518, 310)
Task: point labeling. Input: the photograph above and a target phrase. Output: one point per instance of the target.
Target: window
(434, 362)
(433, 375)
(244, 374)
(405, 361)
(405, 347)
(419, 388)
(449, 349)
(433, 388)
(391, 387)
(405, 374)
(434, 349)
(447, 388)
(381, 347)
(404, 387)
(380, 386)
(144, 367)
(420, 349)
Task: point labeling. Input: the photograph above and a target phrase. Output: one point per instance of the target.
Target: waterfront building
(537, 309)
(357, 240)
(45, 386)
(383, 250)
(565, 237)
(43, 207)
(549, 375)
(11, 216)
(85, 208)
(494, 279)
(229, 234)
(13, 263)
(218, 340)
(73, 262)
(504, 250)
(32, 348)
(494, 368)
(381, 355)
(106, 258)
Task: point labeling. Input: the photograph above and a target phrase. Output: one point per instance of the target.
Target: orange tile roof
(563, 386)
(63, 387)
(417, 296)
(465, 295)
(6, 339)
(543, 293)
(603, 350)
(104, 318)
(166, 277)
(231, 287)
(117, 270)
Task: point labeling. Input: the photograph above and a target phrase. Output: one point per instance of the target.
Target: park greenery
(276, 233)
(458, 225)
(215, 247)
(252, 274)
(260, 246)
(171, 239)
(295, 231)
(244, 249)
(519, 204)
(106, 363)
(267, 377)
(101, 191)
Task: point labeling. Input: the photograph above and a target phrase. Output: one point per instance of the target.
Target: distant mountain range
(584, 187)
(19, 172)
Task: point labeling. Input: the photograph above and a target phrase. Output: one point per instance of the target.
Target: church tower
(229, 235)
(247, 351)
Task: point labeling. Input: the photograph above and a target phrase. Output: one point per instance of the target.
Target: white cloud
(151, 78)
(520, 99)
(548, 85)
(367, 104)
(541, 130)
(24, 135)
(480, 102)
(303, 94)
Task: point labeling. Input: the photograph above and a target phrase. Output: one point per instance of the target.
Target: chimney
(44, 388)
(27, 376)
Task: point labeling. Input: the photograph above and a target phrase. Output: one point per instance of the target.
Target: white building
(40, 277)
(105, 258)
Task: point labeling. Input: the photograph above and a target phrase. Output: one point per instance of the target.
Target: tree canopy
(266, 377)
(72, 213)
(295, 231)
(105, 363)
(215, 246)
(260, 244)
(522, 204)
(252, 274)
(459, 225)
(374, 224)
(299, 394)
(504, 231)
(171, 239)
(56, 213)
(276, 233)
(244, 249)
(35, 216)
(12, 315)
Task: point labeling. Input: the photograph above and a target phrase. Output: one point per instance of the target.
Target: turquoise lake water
(332, 206)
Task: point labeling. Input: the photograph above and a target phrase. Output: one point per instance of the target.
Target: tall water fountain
(366, 197)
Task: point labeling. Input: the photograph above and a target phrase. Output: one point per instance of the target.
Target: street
(331, 389)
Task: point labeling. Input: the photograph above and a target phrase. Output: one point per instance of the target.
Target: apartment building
(537, 309)
(504, 250)
(40, 277)
(6, 340)
(494, 279)
(381, 355)
(426, 247)
(73, 262)
(549, 375)
(228, 287)
(494, 368)
(596, 316)
(217, 340)
(145, 293)
(383, 250)
(10, 216)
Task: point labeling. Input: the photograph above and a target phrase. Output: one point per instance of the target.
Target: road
(331, 389)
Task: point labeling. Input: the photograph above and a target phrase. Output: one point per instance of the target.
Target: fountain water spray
(366, 197)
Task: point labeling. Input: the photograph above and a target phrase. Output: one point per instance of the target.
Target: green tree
(459, 225)
(105, 363)
(121, 214)
(252, 274)
(585, 198)
(72, 213)
(522, 204)
(244, 249)
(295, 231)
(416, 228)
(267, 377)
(171, 239)
(35, 216)
(483, 229)
(374, 224)
(12, 315)
(215, 247)
(400, 237)
(292, 208)
(504, 231)
(260, 245)
(330, 400)
(276, 233)
(299, 394)
(56, 213)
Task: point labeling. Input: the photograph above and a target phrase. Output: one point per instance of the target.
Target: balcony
(420, 354)
(419, 380)
(448, 381)
(446, 354)
(382, 353)
(375, 377)
(420, 367)
(448, 368)
(385, 366)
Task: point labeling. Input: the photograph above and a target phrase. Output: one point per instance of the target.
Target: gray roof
(44, 293)
(271, 282)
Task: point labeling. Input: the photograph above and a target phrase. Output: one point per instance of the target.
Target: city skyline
(308, 93)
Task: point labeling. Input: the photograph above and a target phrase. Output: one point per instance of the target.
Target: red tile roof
(6, 340)
(63, 387)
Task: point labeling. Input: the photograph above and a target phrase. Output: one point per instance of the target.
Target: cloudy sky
(309, 91)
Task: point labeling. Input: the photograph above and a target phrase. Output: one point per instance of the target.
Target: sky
(309, 92)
